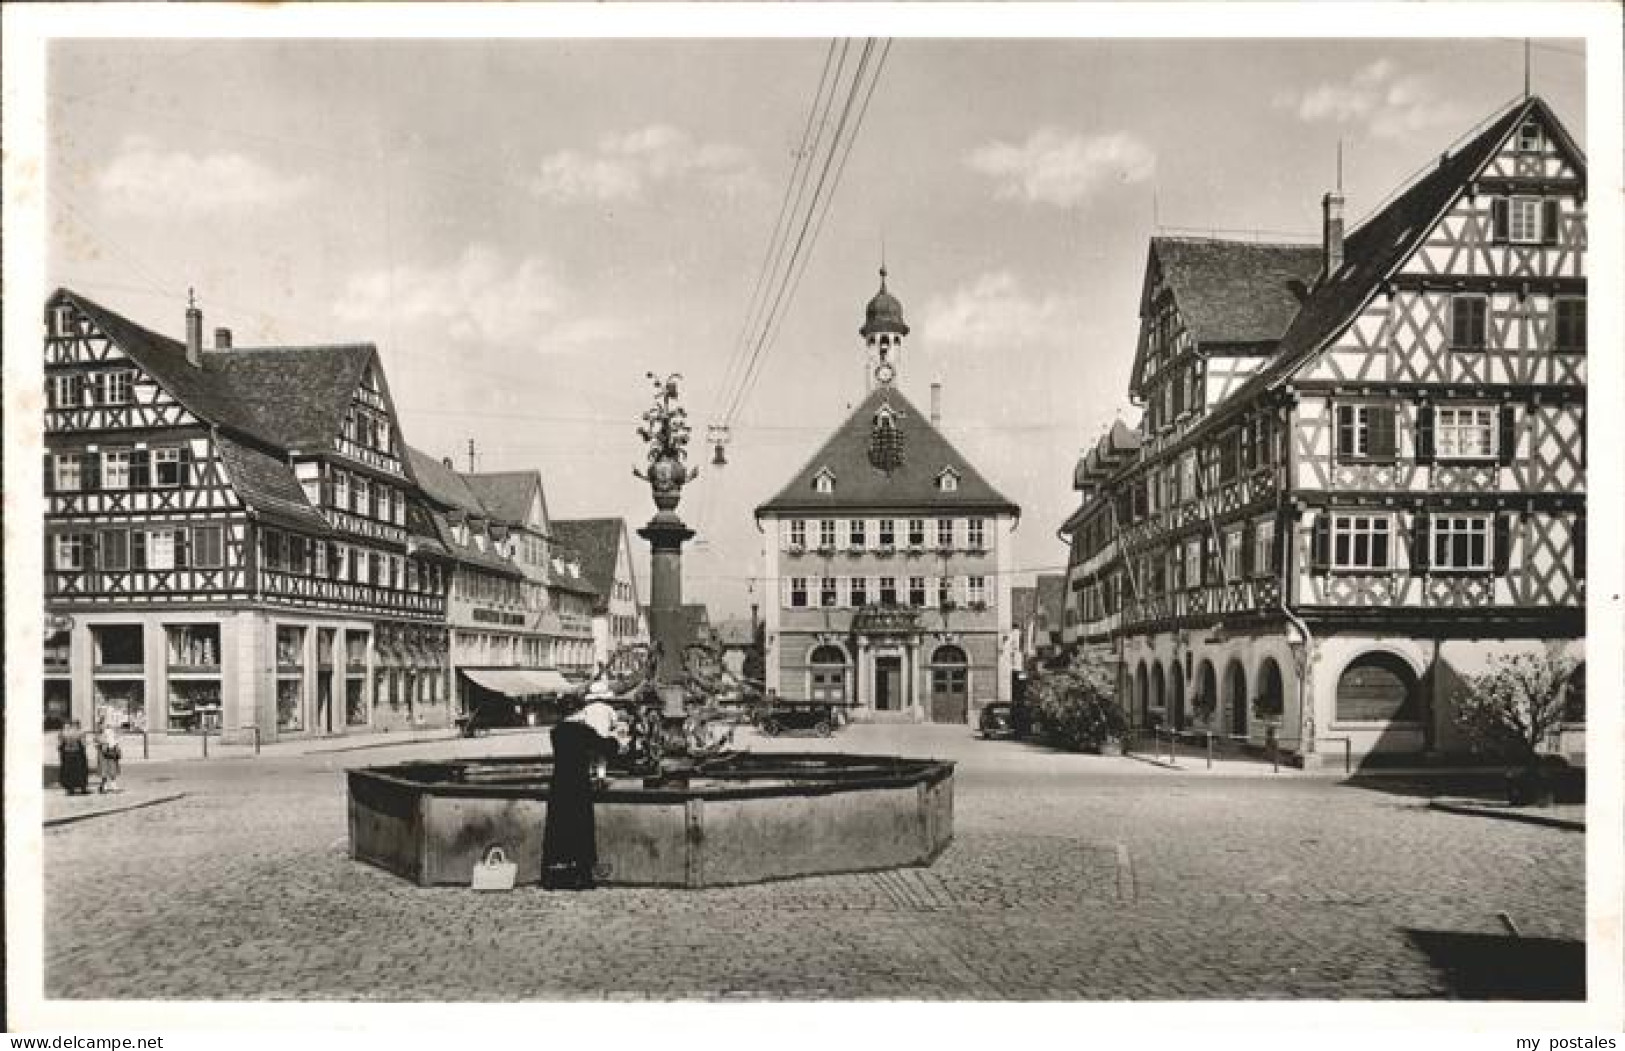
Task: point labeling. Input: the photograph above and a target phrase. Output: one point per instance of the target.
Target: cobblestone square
(1070, 877)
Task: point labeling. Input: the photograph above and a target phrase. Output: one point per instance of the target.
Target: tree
(1077, 706)
(1512, 708)
(755, 666)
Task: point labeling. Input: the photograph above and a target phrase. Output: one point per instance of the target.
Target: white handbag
(495, 871)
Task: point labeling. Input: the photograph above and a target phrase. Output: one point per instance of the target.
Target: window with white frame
(858, 587)
(1187, 475)
(360, 495)
(160, 549)
(916, 532)
(826, 532)
(945, 532)
(67, 390)
(945, 592)
(976, 590)
(888, 532)
(1464, 432)
(1193, 562)
(1361, 541)
(916, 591)
(1265, 548)
(1460, 542)
(69, 473)
(341, 489)
(888, 591)
(1232, 554)
(825, 482)
(828, 596)
(948, 481)
(976, 534)
(166, 467)
(798, 532)
(856, 531)
(70, 552)
(1524, 220)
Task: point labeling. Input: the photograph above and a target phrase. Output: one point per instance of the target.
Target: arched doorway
(1235, 698)
(1208, 685)
(1271, 703)
(1176, 690)
(1142, 695)
(1378, 687)
(827, 679)
(950, 685)
(1159, 693)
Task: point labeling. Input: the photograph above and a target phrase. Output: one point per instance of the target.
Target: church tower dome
(883, 316)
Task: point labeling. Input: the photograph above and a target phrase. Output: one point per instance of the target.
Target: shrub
(1077, 706)
(1511, 708)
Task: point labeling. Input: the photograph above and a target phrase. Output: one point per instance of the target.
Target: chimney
(936, 404)
(1332, 234)
(222, 339)
(446, 461)
(194, 331)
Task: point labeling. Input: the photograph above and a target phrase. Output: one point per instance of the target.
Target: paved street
(1070, 877)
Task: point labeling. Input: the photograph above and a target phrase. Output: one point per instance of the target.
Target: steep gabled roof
(1234, 291)
(910, 486)
(1384, 241)
(442, 484)
(596, 542)
(290, 397)
(507, 494)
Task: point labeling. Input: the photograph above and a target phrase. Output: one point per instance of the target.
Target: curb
(69, 819)
(1469, 810)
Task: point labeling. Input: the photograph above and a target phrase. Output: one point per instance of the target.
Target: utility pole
(471, 456)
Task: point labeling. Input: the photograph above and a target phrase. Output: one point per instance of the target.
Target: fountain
(681, 807)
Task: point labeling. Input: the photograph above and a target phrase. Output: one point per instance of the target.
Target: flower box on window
(826, 550)
(976, 549)
(944, 550)
(796, 549)
(916, 550)
(855, 552)
(886, 551)
(978, 606)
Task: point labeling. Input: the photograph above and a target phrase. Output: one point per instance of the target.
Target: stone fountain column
(665, 429)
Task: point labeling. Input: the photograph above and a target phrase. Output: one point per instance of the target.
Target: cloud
(143, 178)
(1386, 101)
(622, 167)
(482, 298)
(995, 312)
(1055, 167)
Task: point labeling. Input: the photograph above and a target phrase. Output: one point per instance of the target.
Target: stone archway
(1142, 695)
(950, 685)
(1271, 701)
(1159, 691)
(827, 678)
(1235, 698)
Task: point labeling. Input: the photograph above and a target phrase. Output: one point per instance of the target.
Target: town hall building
(888, 561)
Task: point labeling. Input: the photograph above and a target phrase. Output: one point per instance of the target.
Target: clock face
(885, 373)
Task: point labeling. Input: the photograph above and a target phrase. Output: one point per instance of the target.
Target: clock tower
(883, 331)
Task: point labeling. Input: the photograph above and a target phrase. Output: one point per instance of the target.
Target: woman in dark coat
(73, 759)
(570, 835)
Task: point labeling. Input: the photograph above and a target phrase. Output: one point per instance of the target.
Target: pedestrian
(570, 834)
(73, 762)
(108, 754)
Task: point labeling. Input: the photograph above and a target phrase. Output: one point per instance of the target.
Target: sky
(525, 228)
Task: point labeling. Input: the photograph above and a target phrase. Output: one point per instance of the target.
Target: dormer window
(62, 320)
(1529, 137)
(824, 481)
(948, 480)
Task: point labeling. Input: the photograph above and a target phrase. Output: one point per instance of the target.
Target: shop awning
(518, 682)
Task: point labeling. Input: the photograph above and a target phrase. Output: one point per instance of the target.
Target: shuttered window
(1469, 322)
(1460, 542)
(1570, 326)
(1365, 432)
(1524, 214)
(1464, 432)
(1361, 542)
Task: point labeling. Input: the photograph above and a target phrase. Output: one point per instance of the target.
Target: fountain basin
(742, 820)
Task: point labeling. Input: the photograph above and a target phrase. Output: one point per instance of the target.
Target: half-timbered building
(888, 562)
(226, 535)
(604, 547)
(1360, 468)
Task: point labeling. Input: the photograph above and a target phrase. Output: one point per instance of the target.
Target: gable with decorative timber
(76, 347)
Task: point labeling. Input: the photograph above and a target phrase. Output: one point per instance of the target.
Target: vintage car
(821, 717)
(998, 720)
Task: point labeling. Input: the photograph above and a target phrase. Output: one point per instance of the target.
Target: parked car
(997, 721)
(821, 717)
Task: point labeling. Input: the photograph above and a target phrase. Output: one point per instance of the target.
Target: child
(109, 753)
